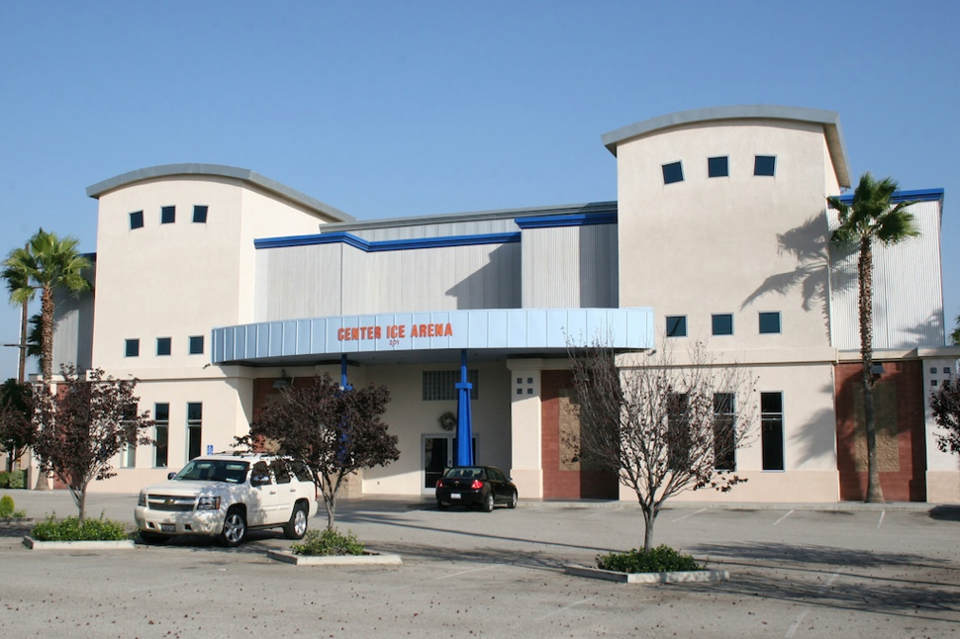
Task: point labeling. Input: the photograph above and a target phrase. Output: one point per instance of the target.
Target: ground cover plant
(8, 510)
(327, 542)
(659, 559)
(73, 529)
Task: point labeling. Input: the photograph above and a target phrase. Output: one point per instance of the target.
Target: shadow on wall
(495, 285)
(809, 245)
(816, 439)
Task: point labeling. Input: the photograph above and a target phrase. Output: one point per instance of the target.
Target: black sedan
(482, 486)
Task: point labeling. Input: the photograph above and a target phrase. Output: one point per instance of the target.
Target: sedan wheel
(488, 503)
(234, 528)
(513, 500)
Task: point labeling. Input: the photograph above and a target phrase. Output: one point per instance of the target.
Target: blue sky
(386, 109)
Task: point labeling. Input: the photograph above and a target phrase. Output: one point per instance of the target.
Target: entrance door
(438, 454)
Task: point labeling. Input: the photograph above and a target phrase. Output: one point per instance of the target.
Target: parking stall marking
(782, 518)
(880, 523)
(690, 515)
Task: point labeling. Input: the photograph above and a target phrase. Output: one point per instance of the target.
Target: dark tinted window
(163, 346)
(723, 324)
(168, 215)
(196, 345)
(676, 325)
(672, 172)
(765, 165)
(200, 214)
(717, 167)
(132, 348)
(769, 322)
(771, 430)
(136, 220)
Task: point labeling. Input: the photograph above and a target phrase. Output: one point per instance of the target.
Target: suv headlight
(142, 499)
(208, 503)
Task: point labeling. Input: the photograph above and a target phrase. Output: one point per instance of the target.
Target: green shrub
(328, 542)
(69, 529)
(6, 506)
(660, 559)
(4, 479)
(17, 479)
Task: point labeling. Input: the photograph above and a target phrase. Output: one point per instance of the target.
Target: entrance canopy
(500, 330)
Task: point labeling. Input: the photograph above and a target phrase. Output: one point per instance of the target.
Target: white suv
(224, 496)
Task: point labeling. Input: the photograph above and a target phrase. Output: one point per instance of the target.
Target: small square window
(200, 214)
(132, 348)
(519, 380)
(529, 391)
(933, 383)
(933, 370)
(519, 391)
(676, 325)
(717, 167)
(168, 214)
(529, 380)
(765, 165)
(723, 324)
(769, 323)
(163, 345)
(136, 220)
(672, 172)
(196, 345)
(946, 370)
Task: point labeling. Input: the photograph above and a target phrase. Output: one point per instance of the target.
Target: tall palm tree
(47, 263)
(871, 217)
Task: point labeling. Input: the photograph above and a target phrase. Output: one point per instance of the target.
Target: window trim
(190, 343)
(714, 317)
(777, 314)
(681, 323)
(168, 341)
(131, 347)
(172, 210)
(136, 220)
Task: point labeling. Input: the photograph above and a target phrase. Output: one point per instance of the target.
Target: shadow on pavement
(945, 513)
(810, 554)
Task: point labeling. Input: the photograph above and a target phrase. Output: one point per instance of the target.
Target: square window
(168, 214)
(672, 172)
(196, 345)
(529, 391)
(519, 380)
(163, 345)
(933, 370)
(933, 383)
(676, 325)
(723, 324)
(769, 323)
(946, 370)
(717, 167)
(519, 391)
(136, 220)
(765, 165)
(529, 380)
(200, 214)
(132, 348)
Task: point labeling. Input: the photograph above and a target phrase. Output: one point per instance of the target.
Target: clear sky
(398, 108)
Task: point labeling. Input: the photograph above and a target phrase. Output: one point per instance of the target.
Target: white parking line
(563, 609)
(792, 630)
(880, 523)
(464, 572)
(782, 518)
(690, 515)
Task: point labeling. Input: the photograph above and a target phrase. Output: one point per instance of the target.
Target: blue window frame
(163, 345)
(769, 323)
(196, 344)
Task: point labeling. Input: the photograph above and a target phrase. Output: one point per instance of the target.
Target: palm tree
(47, 263)
(871, 217)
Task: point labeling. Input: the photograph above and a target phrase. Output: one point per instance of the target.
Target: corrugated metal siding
(479, 227)
(73, 330)
(908, 294)
(304, 281)
(570, 267)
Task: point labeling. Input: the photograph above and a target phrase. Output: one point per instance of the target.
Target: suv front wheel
(234, 528)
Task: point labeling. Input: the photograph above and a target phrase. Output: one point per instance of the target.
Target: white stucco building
(214, 283)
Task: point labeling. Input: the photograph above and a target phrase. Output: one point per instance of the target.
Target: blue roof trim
(919, 195)
(386, 245)
(557, 221)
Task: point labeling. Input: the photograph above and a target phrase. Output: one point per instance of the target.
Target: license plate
(454, 495)
(168, 528)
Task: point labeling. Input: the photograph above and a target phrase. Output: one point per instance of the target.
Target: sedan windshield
(232, 472)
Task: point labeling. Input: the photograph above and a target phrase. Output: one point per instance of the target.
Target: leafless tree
(664, 427)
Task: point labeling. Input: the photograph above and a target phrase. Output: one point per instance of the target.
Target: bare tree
(83, 425)
(663, 427)
(331, 431)
(945, 406)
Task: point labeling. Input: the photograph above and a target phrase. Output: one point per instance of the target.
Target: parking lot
(795, 572)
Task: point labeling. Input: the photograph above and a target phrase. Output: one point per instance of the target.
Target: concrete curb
(33, 544)
(368, 559)
(693, 576)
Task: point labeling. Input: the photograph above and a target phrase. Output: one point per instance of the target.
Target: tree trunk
(874, 492)
(649, 519)
(46, 332)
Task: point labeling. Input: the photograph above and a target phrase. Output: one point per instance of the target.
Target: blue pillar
(343, 373)
(464, 455)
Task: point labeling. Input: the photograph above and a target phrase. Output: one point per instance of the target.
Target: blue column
(343, 373)
(464, 455)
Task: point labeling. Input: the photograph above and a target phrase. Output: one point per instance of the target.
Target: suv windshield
(232, 472)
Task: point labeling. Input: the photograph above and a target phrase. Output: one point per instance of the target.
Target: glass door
(438, 454)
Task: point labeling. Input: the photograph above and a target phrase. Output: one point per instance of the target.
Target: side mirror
(259, 480)
(171, 475)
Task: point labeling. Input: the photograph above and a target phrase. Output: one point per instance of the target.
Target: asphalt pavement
(796, 571)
